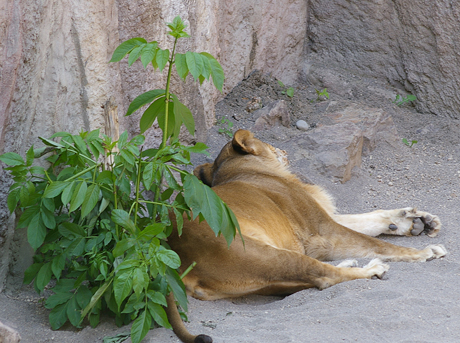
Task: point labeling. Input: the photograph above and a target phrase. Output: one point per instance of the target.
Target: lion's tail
(178, 325)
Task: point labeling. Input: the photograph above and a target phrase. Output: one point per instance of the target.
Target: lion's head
(242, 155)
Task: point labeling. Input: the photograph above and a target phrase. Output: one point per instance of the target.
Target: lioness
(289, 227)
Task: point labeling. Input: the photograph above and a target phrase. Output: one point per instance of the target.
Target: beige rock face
(55, 74)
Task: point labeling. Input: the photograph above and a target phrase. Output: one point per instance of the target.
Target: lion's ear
(204, 173)
(245, 143)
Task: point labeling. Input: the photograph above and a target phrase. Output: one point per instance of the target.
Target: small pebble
(302, 125)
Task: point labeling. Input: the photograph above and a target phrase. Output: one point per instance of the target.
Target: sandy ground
(415, 302)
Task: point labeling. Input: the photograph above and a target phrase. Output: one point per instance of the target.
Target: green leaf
(123, 285)
(140, 281)
(58, 316)
(177, 287)
(37, 170)
(183, 115)
(73, 312)
(122, 140)
(159, 315)
(217, 72)
(151, 113)
(27, 216)
(194, 63)
(31, 273)
(290, 92)
(157, 297)
(171, 122)
(135, 53)
(125, 48)
(106, 177)
(91, 199)
(48, 218)
(12, 159)
(179, 221)
(151, 231)
(43, 276)
(57, 299)
(99, 293)
(169, 257)
(71, 230)
(122, 218)
(30, 155)
(36, 232)
(206, 72)
(58, 265)
(54, 189)
(141, 326)
(67, 193)
(162, 58)
(78, 196)
(148, 175)
(51, 143)
(148, 53)
(83, 296)
(12, 200)
(203, 200)
(123, 246)
(181, 66)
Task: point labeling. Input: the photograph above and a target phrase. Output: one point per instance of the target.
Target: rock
(272, 114)
(254, 104)
(8, 335)
(302, 125)
(336, 148)
(376, 124)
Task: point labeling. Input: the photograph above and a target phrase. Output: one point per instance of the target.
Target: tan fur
(288, 227)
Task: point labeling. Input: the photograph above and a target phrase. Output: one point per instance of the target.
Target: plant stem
(83, 172)
(165, 133)
(138, 182)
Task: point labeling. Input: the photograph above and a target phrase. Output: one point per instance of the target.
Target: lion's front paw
(435, 251)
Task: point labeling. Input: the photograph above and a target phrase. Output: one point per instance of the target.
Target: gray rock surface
(271, 115)
(412, 44)
(336, 149)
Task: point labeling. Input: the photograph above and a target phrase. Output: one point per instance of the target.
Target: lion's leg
(335, 242)
(402, 222)
(258, 268)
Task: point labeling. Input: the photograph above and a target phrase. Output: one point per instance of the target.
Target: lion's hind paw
(348, 264)
(377, 268)
(435, 251)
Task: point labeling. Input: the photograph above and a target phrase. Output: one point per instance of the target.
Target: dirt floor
(417, 302)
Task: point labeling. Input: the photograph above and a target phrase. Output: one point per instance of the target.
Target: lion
(289, 228)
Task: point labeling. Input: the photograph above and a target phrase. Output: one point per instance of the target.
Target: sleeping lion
(289, 227)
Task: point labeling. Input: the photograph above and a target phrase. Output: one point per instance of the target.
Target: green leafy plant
(225, 126)
(288, 91)
(401, 100)
(322, 95)
(98, 216)
(409, 144)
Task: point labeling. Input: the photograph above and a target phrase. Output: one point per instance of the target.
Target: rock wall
(415, 45)
(55, 74)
